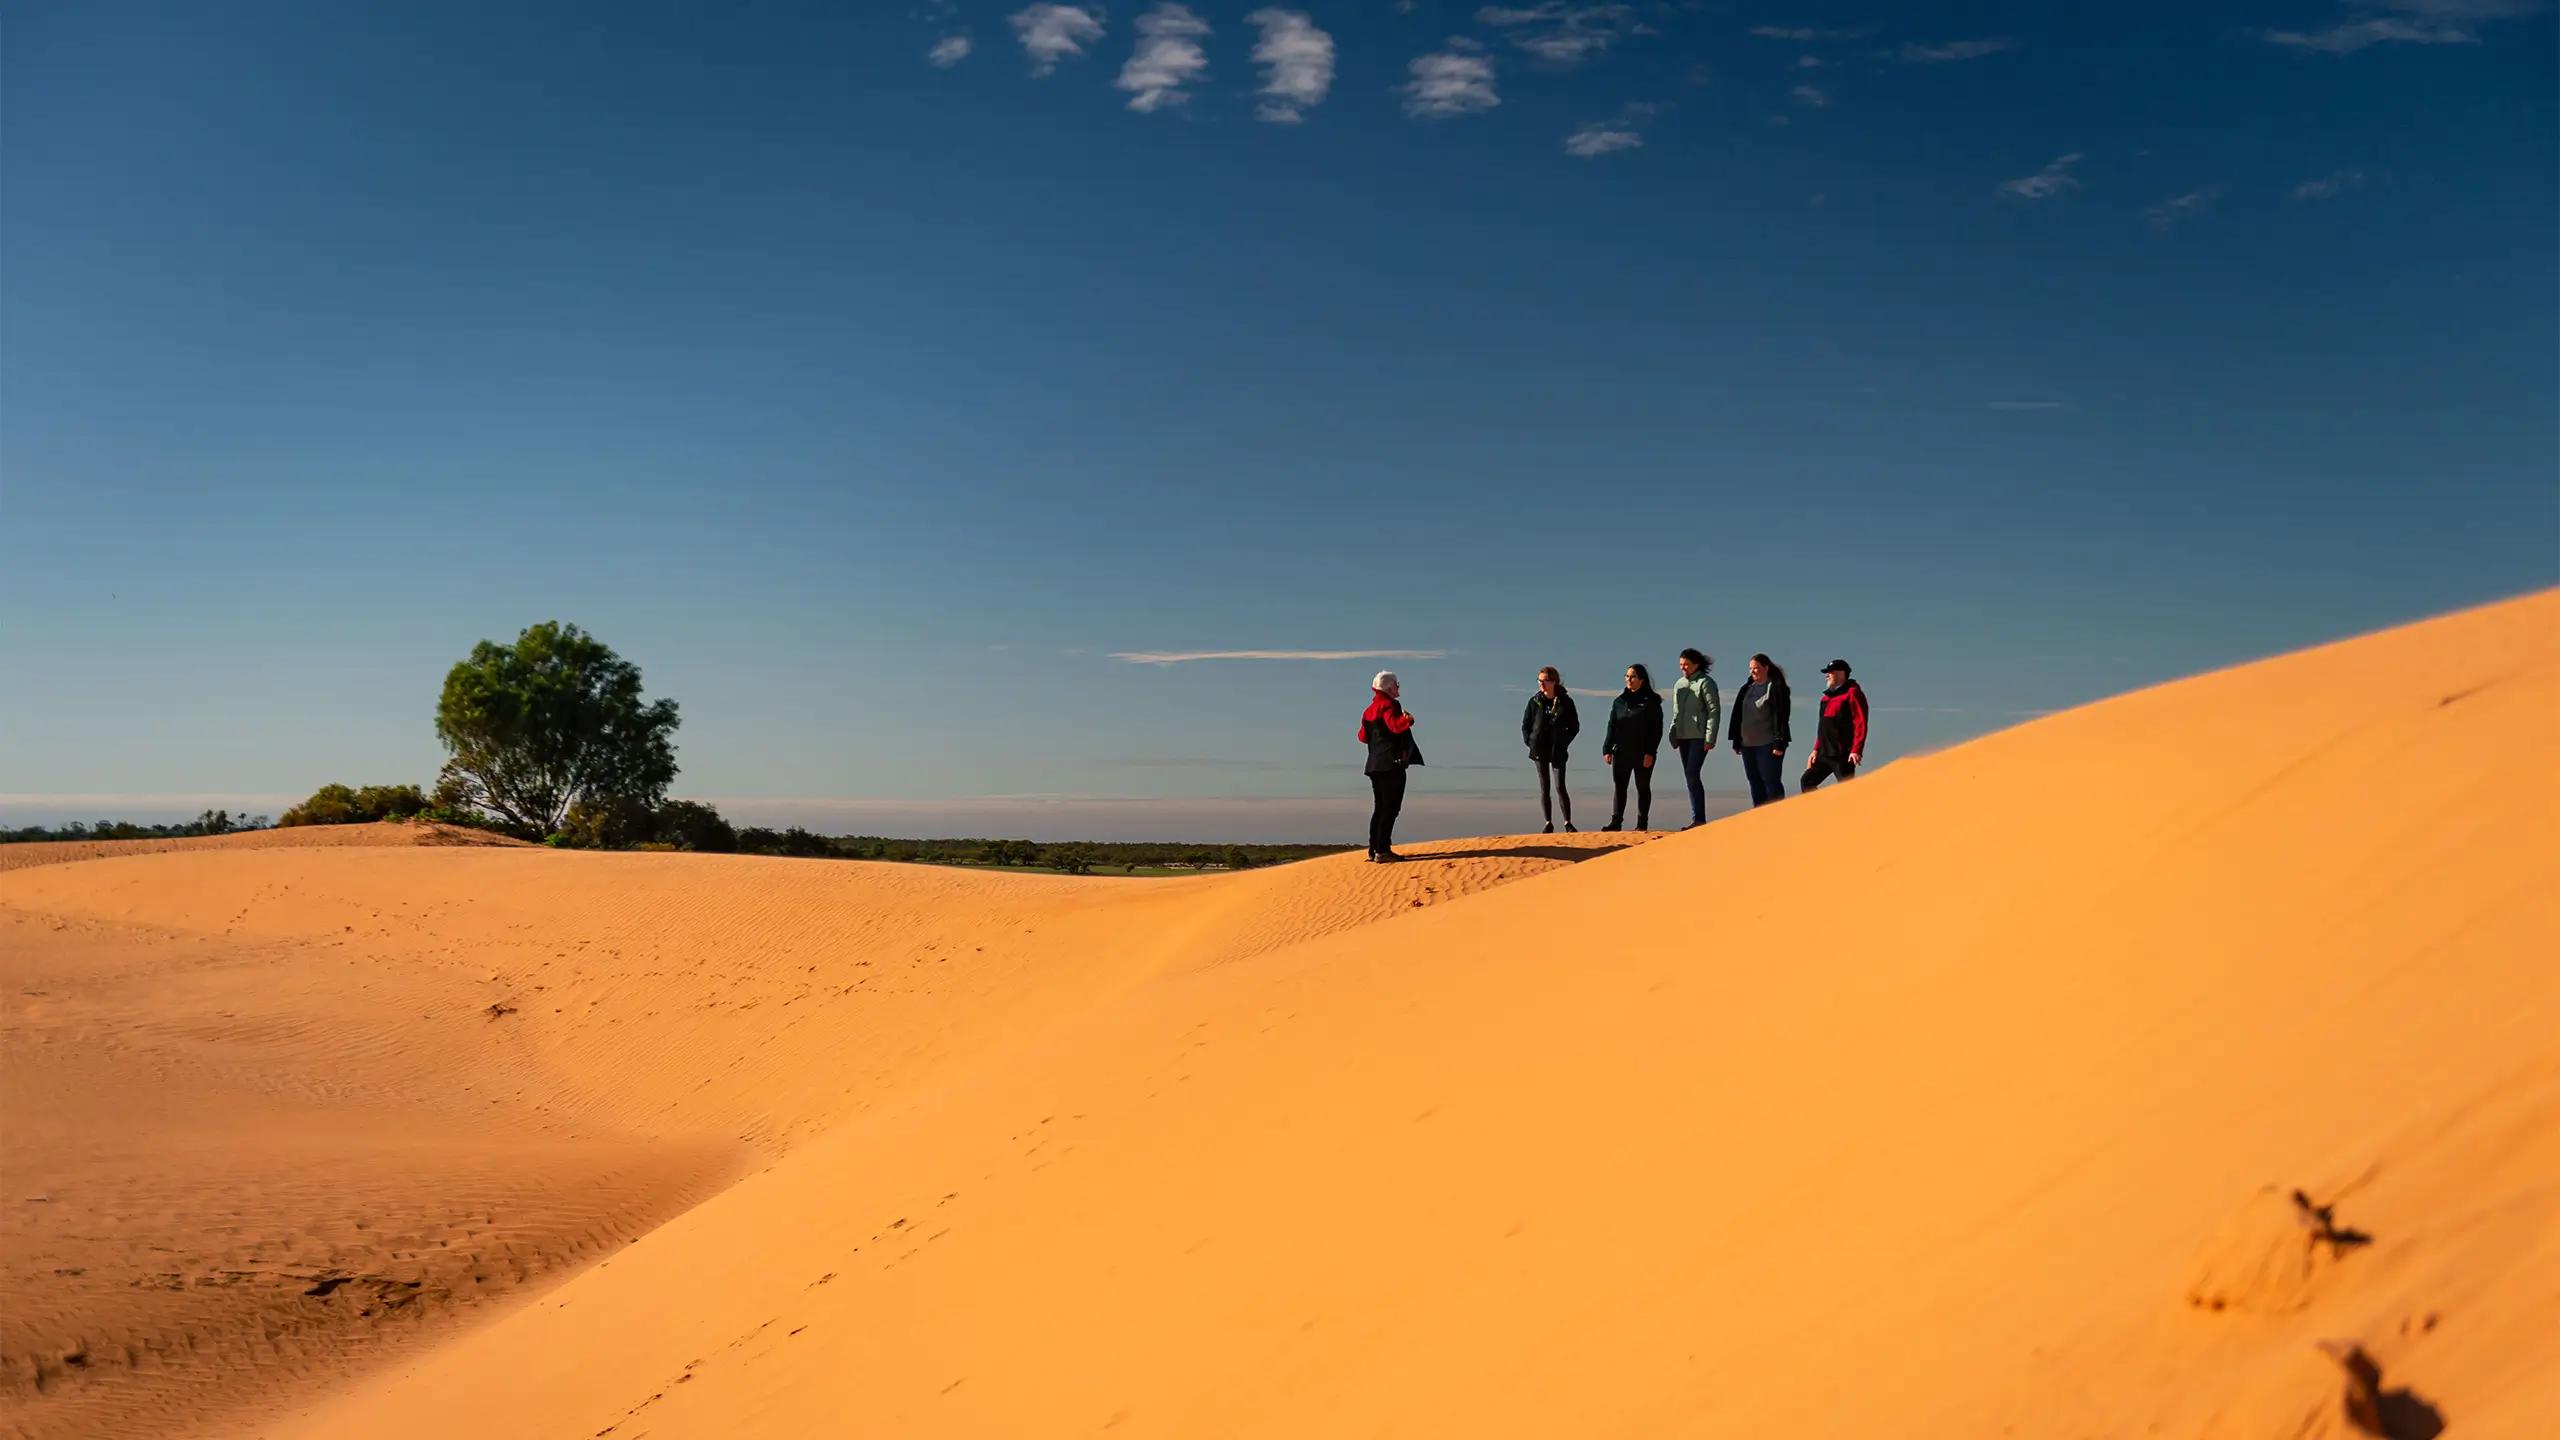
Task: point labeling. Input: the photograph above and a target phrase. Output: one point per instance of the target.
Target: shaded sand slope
(273, 1109)
(1942, 1104)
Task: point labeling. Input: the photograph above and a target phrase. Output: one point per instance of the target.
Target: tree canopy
(552, 721)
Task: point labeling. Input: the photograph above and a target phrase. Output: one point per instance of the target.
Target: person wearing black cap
(1840, 740)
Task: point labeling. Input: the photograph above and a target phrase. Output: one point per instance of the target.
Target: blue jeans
(1693, 757)
(1761, 765)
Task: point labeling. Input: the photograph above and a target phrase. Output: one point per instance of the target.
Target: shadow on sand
(1570, 854)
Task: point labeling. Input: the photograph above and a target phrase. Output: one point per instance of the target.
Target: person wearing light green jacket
(1696, 713)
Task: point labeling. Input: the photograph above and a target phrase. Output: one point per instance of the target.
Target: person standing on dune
(1696, 709)
(1760, 730)
(1548, 727)
(1635, 732)
(1388, 731)
(1841, 738)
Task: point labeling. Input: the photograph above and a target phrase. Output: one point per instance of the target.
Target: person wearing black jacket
(1840, 738)
(1547, 727)
(1759, 729)
(1387, 729)
(1635, 732)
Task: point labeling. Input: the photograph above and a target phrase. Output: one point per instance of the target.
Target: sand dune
(1967, 1099)
(421, 1079)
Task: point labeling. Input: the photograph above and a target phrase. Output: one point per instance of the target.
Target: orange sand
(1958, 1101)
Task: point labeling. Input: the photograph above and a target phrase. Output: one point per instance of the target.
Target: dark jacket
(1388, 732)
(1779, 706)
(1548, 729)
(1843, 731)
(1635, 726)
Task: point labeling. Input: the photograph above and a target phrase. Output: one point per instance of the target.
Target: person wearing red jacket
(1387, 730)
(1841, 740)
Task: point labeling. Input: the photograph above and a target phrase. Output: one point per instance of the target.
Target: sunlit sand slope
(1963, 1100)
(277, 1105)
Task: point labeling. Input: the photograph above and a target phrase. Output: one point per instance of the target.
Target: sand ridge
(299, 837)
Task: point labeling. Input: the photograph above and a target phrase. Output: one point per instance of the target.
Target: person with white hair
(1387, 729)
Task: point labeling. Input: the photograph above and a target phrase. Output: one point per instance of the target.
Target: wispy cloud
(2402, 22)
(1297, 61)
(1812, 97)
(1185, 657)
(1952, 51)
(1564, 34)
(1054, 33)
(2329, 186)
(2178, 209)
(1455, 81)
(2030, 404)
(1802, 36)
(1168, 57)
(1594, 138)
(2046, 183)
(948, 51)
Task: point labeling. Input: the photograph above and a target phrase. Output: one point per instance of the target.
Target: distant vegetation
(211, 822)
(1078, 857)
(338, 805)
(551, 740)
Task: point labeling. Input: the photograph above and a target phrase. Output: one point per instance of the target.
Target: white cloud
(1562, 33)
(1594, 138)
(1297, 61)
(1812, 97)
(1052, 33)
(2046, 183)
(1168, 57)
(1600, 137)
(1455, 81)
(948, 51)
(1807, 37)
(2170, 213)
(1952, 51)
(2329, 186)
(2402, 22)
(1185, 657)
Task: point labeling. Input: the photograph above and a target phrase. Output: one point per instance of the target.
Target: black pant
(1823, 768)
(1760, 767)
(1387, 794)
(1619, 769)
(1693, 758)
(1546, 807)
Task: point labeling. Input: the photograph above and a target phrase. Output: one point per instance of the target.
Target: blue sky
(875, 391)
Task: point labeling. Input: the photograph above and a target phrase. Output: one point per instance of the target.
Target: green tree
(554, 720)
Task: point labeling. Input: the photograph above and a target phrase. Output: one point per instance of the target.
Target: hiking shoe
(1550, 830)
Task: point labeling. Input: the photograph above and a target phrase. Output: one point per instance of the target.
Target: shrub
(692, 825)
(338, 805)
